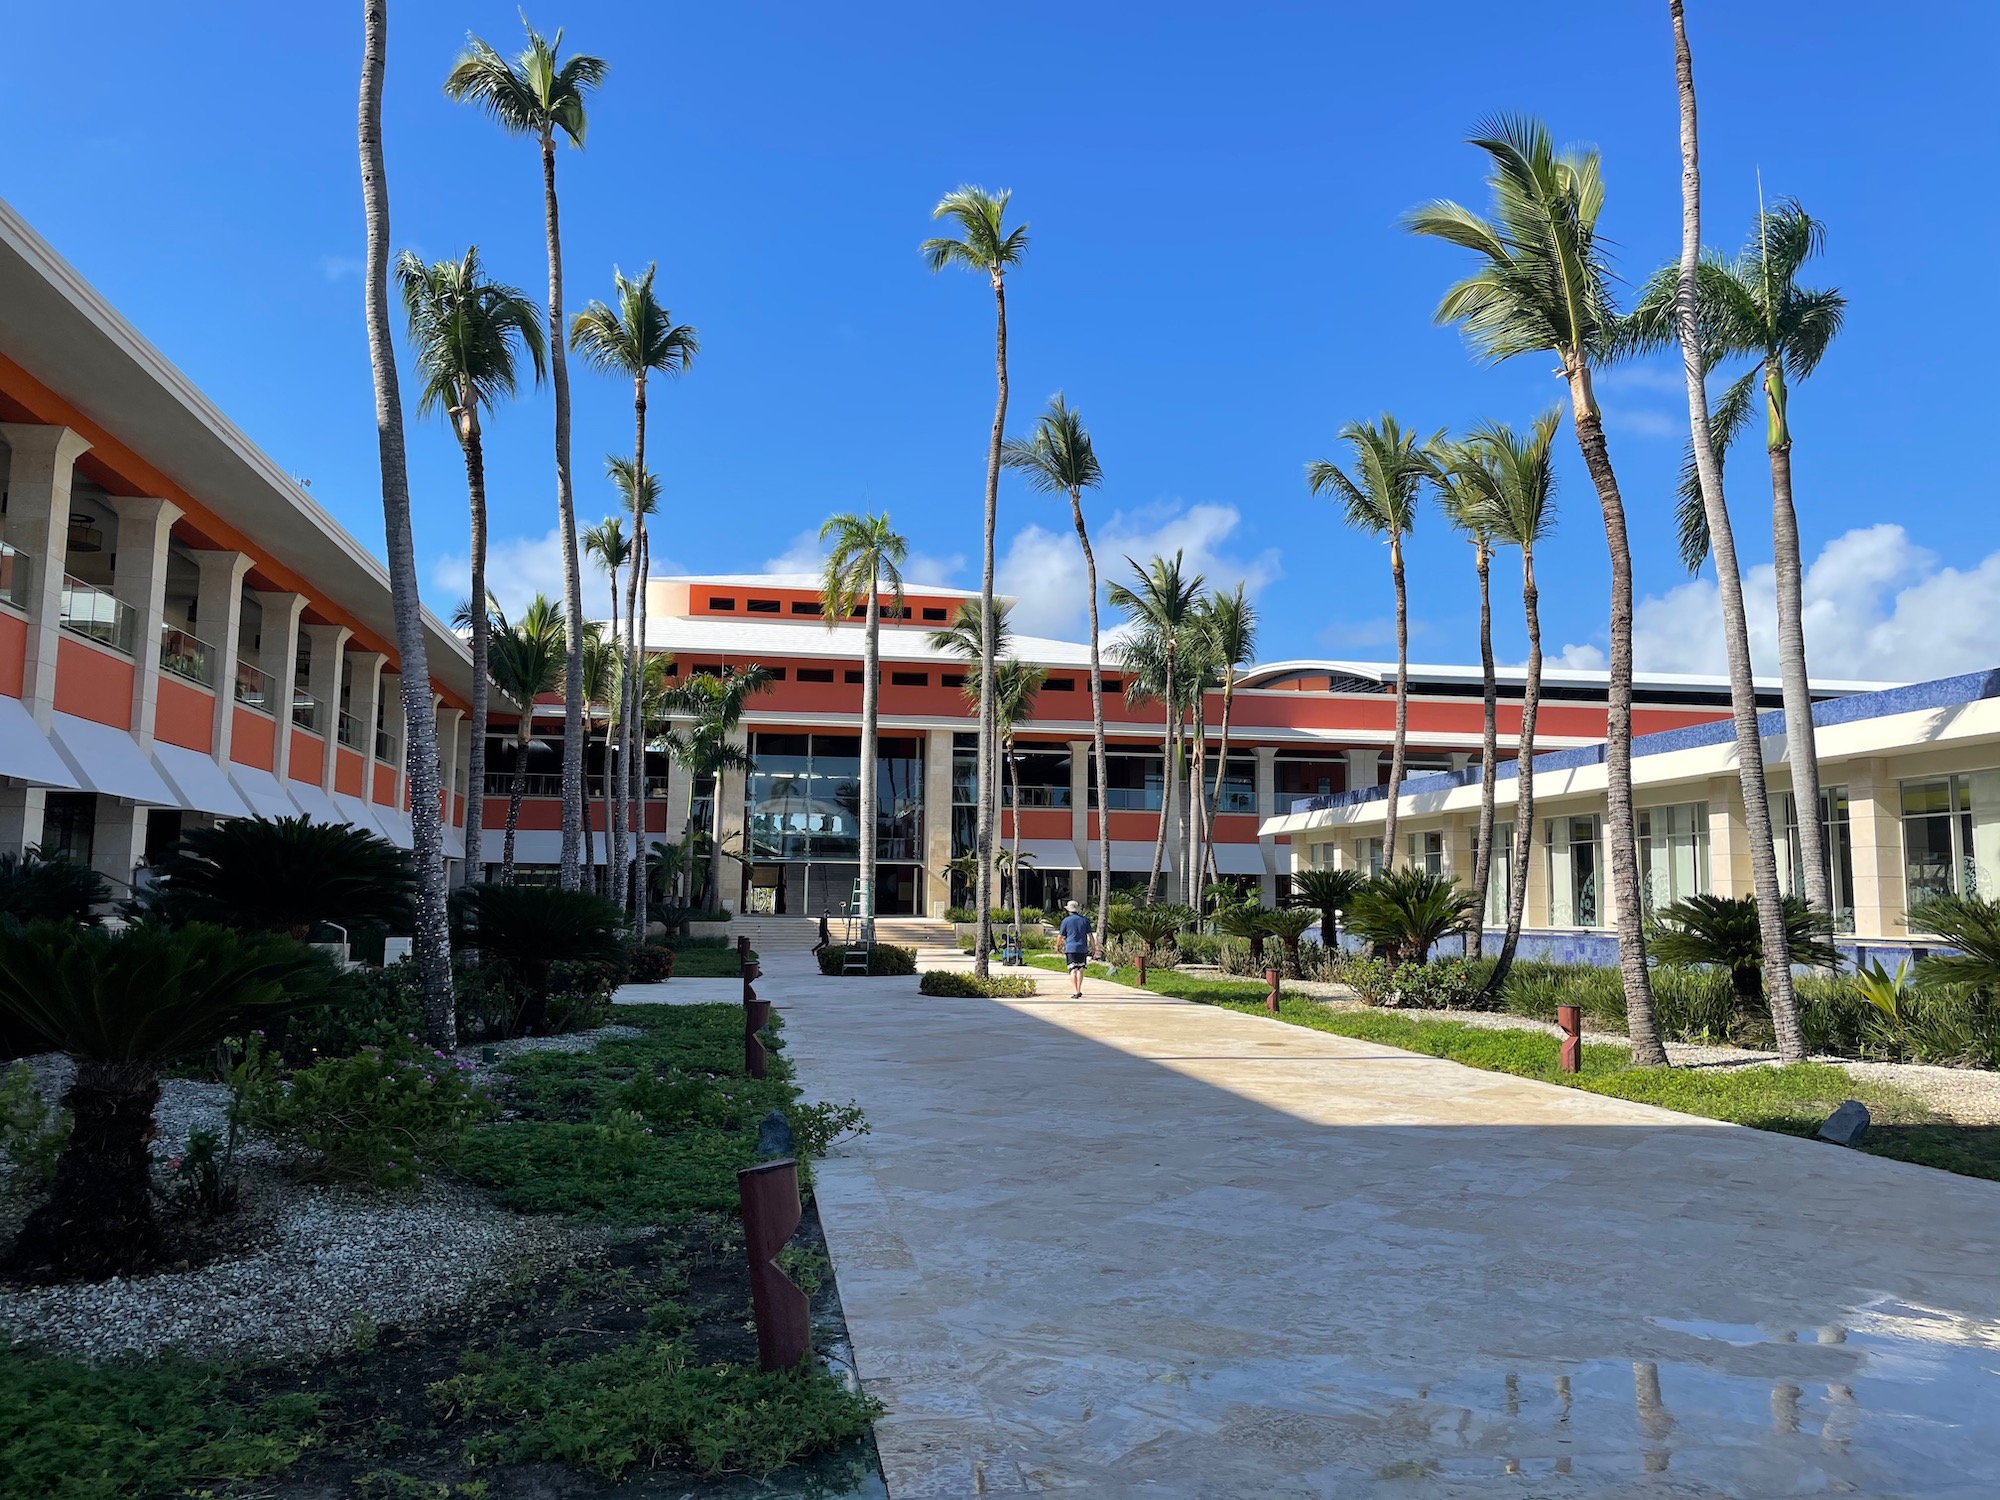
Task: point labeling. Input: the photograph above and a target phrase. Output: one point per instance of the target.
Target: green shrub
(35, 887)
(650, 963)
(386, 1116)
(283, 875)
(32, 1135)
(580, 991)
(816, 1127)
(527, 930)
(1442, 984)
(953, 983)
(884, 959)
(372, 1008)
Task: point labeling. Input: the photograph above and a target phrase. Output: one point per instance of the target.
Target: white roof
(106, 759)
(1421, 673)
(756, 639)
(203, 785)
(261, 790)
(25, 752)
(808, 581)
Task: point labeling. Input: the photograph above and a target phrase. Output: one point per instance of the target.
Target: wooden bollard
(1271, 985)
(1570, 1019)
(1142, 971)
(769, 1194)
(743, 951)
(756, 1015)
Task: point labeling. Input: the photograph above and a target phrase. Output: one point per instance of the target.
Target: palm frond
(1725, 424)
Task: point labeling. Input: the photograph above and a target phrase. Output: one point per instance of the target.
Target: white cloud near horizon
(520, 567)
(1878, 606)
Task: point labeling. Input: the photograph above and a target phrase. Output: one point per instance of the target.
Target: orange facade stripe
(93, 684)
(253, 740)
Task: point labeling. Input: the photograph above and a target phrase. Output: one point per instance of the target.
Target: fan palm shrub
(1288, 924)
(284, 875)
(122, 1005)
(1404, 913)
(35, 887)
(1726, 932)
(1971, 924)
(1246, 922)
(526, 930)
(1150, 925)
(1328, 892)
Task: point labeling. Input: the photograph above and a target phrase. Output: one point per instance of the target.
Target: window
(723, 604)
(910, 679)
(1060, 685)
(1043, 772)
(1951, 836)
(1500, 875)
(803, 791)
(1368, 856)
(1239, 786)
(931, 612)
(1673, 853)
(673, 669)
(805, 606)
(852, 677)
(1113, 685)
(1835, 839)
(953, 679)
(1135, 782)
(776, 674)
(1574, 863)
(762, 606)
(815, 674)
(1427, 852)
(1321, 856)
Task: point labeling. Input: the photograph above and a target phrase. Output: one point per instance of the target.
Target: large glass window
(1368, 856)
(1575, 866)
(1673, 852)
(803, 797)
(1427, 852)
(1499, 875)
(1239, 785)
(1135, 783)
(1951, 836)
(1835, 838)
(1042, 772)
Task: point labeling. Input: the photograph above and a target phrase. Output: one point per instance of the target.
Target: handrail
(16, 574)
(185, 654)
(97, 614)
(253, 685)
(305, 710)
(347, 729)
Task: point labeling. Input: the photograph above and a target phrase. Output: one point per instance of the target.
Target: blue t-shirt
(1075, 932)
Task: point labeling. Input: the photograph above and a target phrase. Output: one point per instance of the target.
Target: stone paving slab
(1132, 1247)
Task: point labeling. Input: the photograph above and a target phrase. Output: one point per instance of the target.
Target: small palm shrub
(885, 960)
(1247, 923)
(1328, 892)
(1288, 925)
(1723, 932)
(1150, 926)
(283, 875)
(31, 1134)
(526, 930)
(37, 888)
(1404, 913)
(1971, 924)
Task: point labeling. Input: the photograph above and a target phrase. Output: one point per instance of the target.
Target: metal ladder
(855, 959)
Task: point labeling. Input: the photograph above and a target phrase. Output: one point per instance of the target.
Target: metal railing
(185, 654)
(16, 573)
(253, 686)
(1036, 796)
(305, 710)
(347, 730)
(387, 747)
(97, 615)
(549, 784)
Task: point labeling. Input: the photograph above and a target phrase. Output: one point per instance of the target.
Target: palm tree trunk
(1729, 584)
(989, 725)
(1014, 846)
(1096, 733)
(871, 664)
(482, 639)
(420, 745)
(572, 761)
(715, 844)
(1166, 784)
(1489, 750)
(614, 803)
(97, 1221)
(1640, 1023)
(516, 790)
(1221, 760)
(1402, 703)
(1524, 774)
(628, 725)
(1197, 791)
(1801, 748)
(635, 756)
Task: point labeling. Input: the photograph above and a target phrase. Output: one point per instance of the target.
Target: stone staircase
(768, 934)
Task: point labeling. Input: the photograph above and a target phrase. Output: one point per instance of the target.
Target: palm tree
(715, 704)
(1163, 607)
(603, 688)
(1015, 689)
(1519, 500)
(1060, 459)
(1329, 892)
(528, 660)
(1288, 925)
(642, 500)
(1199, 672)
(542, 96)
(867, 555)
(433, 930)
(965, 638)
(1228, 622)
(635, 339)
(1544, 288)
(466, 332)
(607, 542)
(1381, 500)
(989, 247)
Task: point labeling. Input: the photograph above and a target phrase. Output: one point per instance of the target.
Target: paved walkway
(1131, 1247)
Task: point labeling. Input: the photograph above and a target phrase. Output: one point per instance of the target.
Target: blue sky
(1215, 278)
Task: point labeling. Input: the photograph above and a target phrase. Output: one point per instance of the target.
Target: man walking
(1075, 931)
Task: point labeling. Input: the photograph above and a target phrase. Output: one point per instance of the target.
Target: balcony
(387, 747)
(185, 655)
(347, 729)
(90, 612)
(305, 710)
(1036, 796)
(253, 687)
(549, 784)
(16, 572)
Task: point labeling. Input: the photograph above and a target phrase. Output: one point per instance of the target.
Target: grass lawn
(638, 1360)
(708, 963)
(1793, 1100)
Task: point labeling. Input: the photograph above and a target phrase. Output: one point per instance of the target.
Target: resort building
(1909, 807)
(184, 634)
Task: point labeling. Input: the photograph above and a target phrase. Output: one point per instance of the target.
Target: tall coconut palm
(542, 95)
(1060, 459)
(607, 542)
(867, 557)
(642, 502)
(988, 246)
(1519, 501)
(1228, 622)
(1162, 604)
(636, 339)
(433, 928)
(529, 659)
(1462, 494)
(1200, 672)
(1544, 288)
(965, 638)
(708, 747)
(1016, 687)
(601, 671)
(1381, 500)
(467, 333)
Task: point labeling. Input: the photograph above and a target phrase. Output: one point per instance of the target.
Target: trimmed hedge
(953, 983)
(885, 960)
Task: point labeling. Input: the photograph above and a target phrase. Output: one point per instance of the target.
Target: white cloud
(518, 568)
(1584, 658)
(804, 555)
(340, 267)
(937, 571)
(1877, 606)
(1043, 569)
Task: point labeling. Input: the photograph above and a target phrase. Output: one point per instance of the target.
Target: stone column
(117, 841)
(329, 648)
(140, 580)
(1535, 906)
(1729, 872)
(394, 724)
(21, 809)
(730, 787)
(1266, 785)
(680, 796)
(1875, 829)
(937, 821)
(218, 620)
(363, 684)
(40, 472)
(1080, 760)
(278, 657)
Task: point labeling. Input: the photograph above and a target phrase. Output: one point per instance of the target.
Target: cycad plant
(283, 875)
(467, 334)
(1971, 925)
(1329, 893)
(1726, 932)
(36, 887)
(542, 94)
(1543, 287)
(1404, 913)
(122, 1006)
(1150, 925)
(1380, 499)
(1288, 924)
(1245, 922)
(528, 928)
(987, 246)
(527, 662)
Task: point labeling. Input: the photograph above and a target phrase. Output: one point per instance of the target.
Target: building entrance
(808, 889)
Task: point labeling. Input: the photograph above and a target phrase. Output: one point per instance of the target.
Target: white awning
(315, 804)
(1239, 859)
(360, 814)
(202, 784)
(25, 752)
(535, 846)
(107, 759)
(396, 826)
(261, 790)
(1049, 854)
(1128, 854)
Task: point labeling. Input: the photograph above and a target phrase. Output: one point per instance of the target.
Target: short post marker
(1271, 984)
(769, 1194)
(1570, 1019)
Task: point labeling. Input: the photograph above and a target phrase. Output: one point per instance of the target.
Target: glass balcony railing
(305, 710)
(347, 729)
(386, 747)
(90, 611)
(549, 784)
(186, 655)
(15, 575)
(253, 686)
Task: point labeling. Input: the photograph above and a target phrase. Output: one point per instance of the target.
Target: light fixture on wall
(84, 535)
